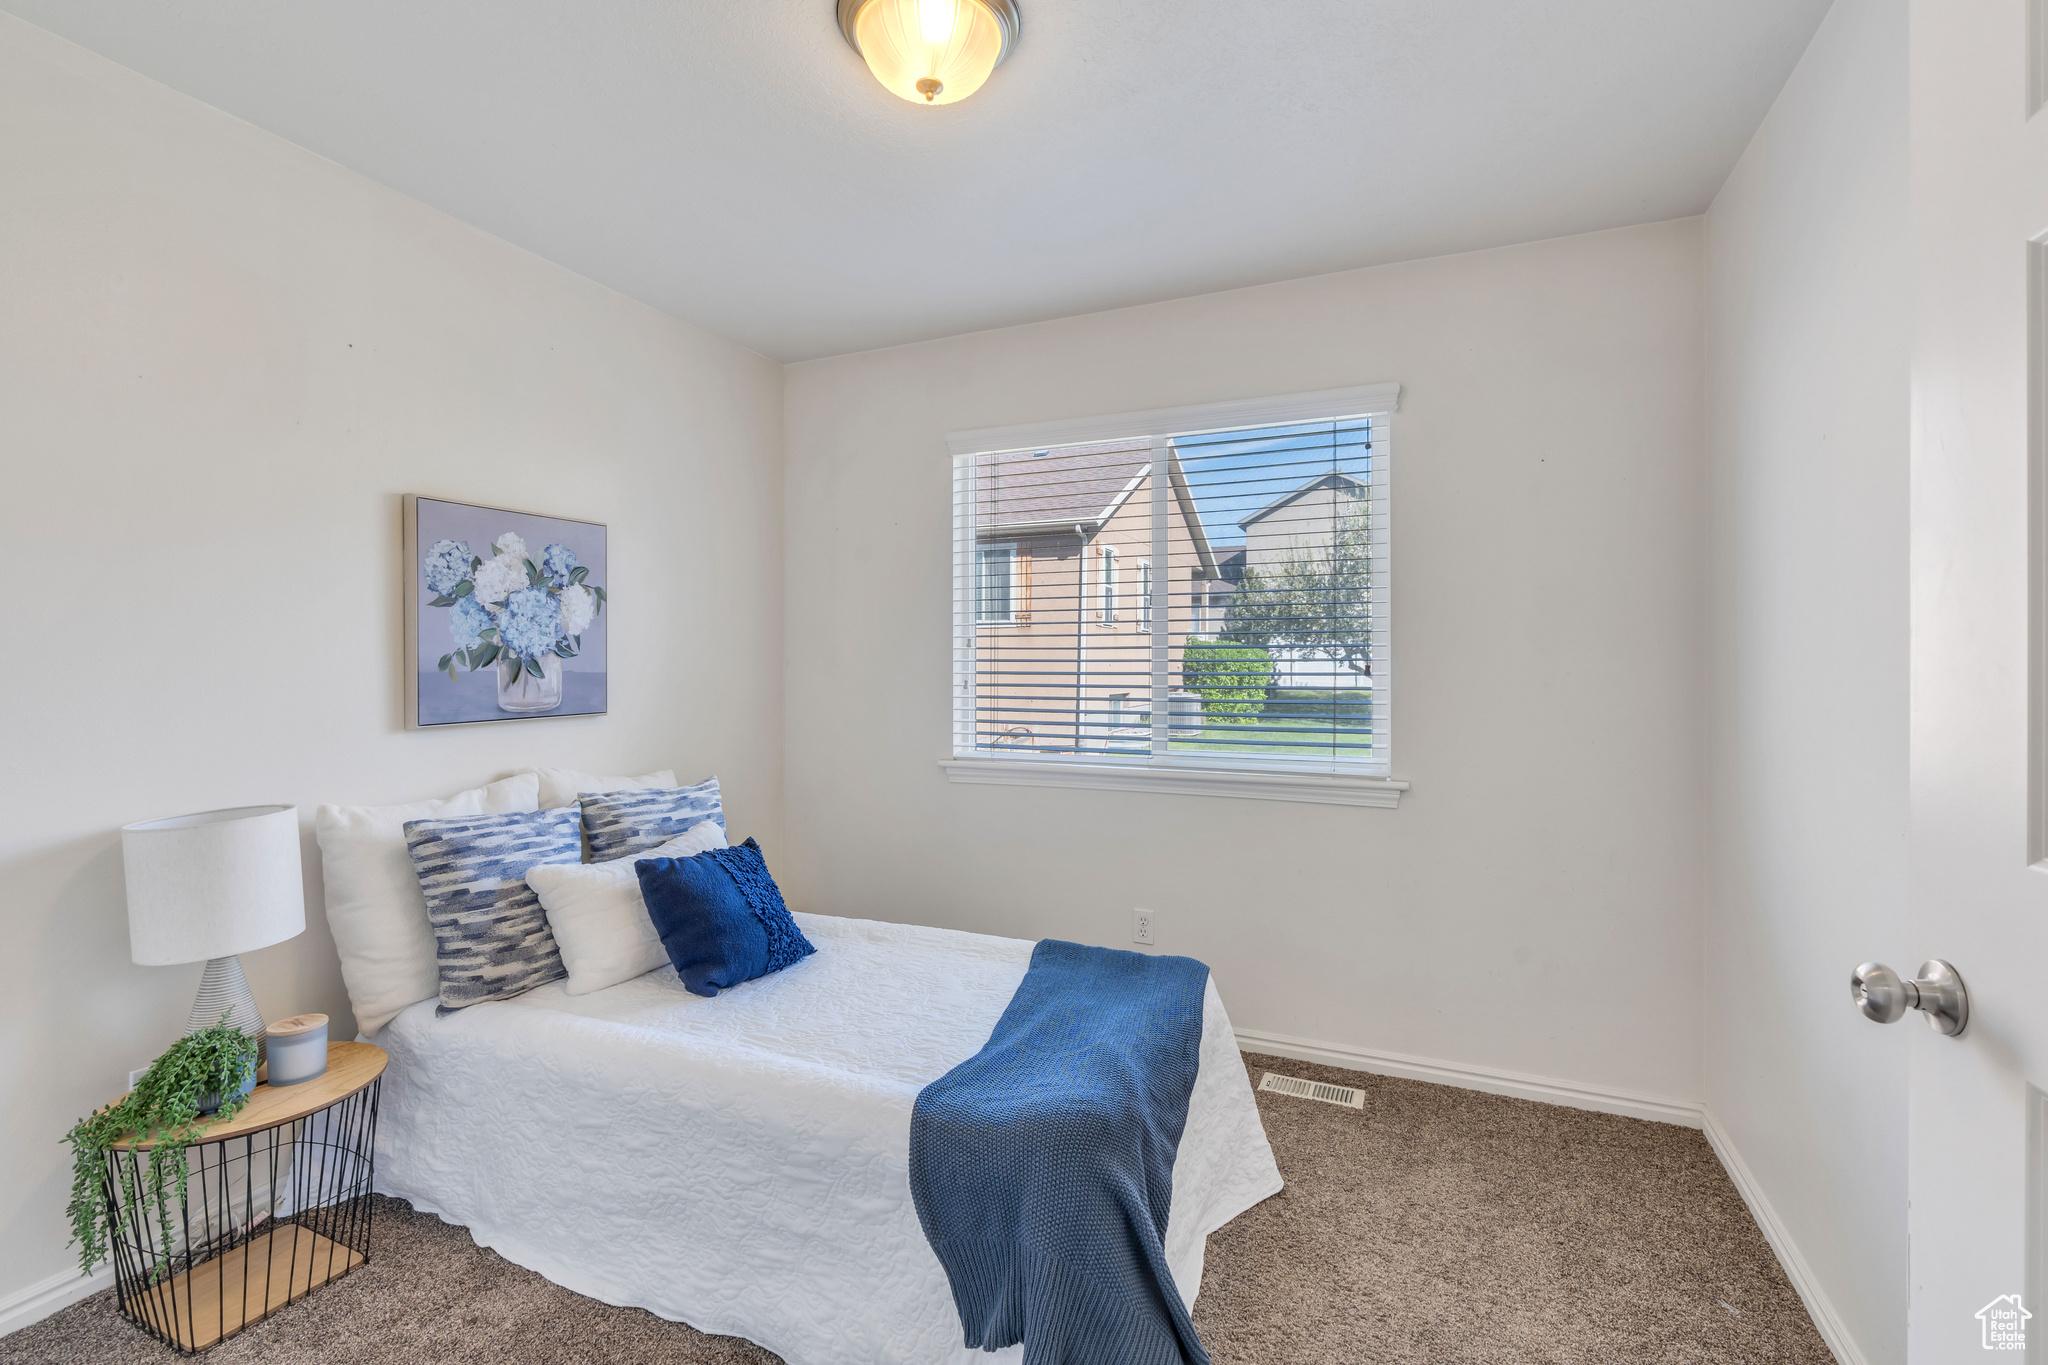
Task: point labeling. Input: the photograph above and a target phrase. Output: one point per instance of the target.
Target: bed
(740, 1163)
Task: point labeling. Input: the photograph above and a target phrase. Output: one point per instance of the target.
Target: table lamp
(209, 886)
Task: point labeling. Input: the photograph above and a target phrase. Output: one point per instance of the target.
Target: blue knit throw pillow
(720, 916)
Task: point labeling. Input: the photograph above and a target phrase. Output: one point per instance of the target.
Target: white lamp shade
(213, 884)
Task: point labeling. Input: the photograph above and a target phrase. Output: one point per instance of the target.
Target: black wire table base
(267, 1217)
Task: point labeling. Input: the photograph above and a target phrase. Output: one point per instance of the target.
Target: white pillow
(560, 786)
(374, 905)
(600, 923)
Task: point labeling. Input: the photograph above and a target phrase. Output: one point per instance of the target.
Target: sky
(1234, 474)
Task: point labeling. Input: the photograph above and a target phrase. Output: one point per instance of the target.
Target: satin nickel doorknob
(1938, 990)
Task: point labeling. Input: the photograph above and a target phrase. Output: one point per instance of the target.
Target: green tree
(1316, 600)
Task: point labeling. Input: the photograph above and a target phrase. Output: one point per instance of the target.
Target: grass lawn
(1270, 735)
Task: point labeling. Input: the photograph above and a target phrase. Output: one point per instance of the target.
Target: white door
(1979, 207)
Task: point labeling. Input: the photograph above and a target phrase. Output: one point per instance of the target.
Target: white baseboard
(1818, 1306)
(45, 1297)
(1575, 1094)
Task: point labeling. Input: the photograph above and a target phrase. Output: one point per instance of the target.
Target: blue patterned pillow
(619, 823)
(720, 916)
(491, 934)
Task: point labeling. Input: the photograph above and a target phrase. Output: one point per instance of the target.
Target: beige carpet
(1437, 1226)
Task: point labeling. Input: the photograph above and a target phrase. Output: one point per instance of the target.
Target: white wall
(1807, 330)
(222, 362)
(1533, 904)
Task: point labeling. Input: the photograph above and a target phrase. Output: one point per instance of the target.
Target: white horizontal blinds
(1061, 660)
(1229, 611)
(1284, 643)
(966, 604)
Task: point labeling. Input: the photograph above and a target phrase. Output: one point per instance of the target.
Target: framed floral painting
(505, 615)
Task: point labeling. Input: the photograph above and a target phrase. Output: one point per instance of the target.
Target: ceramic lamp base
(225, 991)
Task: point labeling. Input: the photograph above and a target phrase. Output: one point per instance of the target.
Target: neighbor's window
(1257, 635)
(995, 586)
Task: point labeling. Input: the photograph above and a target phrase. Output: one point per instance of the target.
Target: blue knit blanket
(1042, 1166)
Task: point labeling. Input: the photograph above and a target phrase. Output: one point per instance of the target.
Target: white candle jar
(298, 1048)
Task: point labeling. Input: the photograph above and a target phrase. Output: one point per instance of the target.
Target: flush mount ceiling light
(930, 51)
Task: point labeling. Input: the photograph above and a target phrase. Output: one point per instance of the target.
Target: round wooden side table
(277, 1203)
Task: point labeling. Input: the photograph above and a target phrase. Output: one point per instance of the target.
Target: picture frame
(506, 615)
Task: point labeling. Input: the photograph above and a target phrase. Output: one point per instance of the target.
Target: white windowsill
(1326, 789)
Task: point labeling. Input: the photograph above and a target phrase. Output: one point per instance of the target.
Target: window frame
(1357, 782)
(981, 550)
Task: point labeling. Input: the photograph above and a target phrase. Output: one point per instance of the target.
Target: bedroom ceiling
(732, 162)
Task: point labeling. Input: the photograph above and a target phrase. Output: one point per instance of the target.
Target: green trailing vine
(163, 1108)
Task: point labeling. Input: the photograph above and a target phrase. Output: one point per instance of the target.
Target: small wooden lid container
(298, 1023)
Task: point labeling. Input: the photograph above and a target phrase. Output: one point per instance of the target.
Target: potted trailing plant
(206, 1073)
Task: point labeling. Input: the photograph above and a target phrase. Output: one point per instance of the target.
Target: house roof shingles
(1060, 488)
(1073, 486)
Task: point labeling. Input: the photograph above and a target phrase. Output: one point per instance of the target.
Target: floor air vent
(1314, 1090)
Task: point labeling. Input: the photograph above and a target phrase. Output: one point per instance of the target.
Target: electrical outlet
(136, 1075)
(1141, 926)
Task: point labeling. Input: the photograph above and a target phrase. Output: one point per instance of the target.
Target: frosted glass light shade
(930, 51)
(213, 884)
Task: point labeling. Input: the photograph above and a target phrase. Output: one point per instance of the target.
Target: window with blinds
(1205, 599)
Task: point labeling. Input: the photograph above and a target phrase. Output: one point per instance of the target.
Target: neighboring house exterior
(1064, 565)
(1302, 519)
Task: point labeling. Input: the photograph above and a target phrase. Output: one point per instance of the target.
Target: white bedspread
(742, 1163)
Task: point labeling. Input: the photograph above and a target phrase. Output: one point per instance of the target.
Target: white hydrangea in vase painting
(515, 607)
(516, 612)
